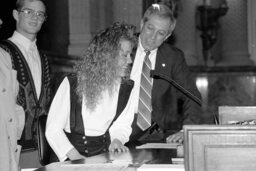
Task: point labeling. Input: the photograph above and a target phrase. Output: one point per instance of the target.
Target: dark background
(8, 25)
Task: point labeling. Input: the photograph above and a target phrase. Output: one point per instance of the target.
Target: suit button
(83, 137)
(16, 150)
(3, 90)
(85, 142)
(10, 120)
(86, 151)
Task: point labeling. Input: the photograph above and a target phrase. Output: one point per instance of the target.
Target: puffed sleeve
(58, 118)
(121, 128)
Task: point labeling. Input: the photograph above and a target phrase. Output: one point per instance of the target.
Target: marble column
(86, 17)
(251, 29)
(129, 11)
(187, 37)
(101, 15)
(234, 35)
(79, 26)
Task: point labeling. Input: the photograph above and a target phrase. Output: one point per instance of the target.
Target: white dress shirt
(137, 69)
(30, 52)
(95, 122)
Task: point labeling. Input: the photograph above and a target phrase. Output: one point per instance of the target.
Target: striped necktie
(144, 107)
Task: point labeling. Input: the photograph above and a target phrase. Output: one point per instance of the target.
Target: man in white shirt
(161, 103)
(32, 67)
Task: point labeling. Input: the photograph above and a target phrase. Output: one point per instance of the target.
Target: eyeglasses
(29, 13)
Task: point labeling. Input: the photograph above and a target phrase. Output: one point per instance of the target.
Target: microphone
(156, 74)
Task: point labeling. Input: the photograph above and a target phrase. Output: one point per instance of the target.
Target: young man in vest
(32, 67)
(11, 118)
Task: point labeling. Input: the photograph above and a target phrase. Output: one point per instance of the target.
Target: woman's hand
(73, 154)
(116, 145)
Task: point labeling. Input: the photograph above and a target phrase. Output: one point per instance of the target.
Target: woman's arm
(121, 128)
(58, 120)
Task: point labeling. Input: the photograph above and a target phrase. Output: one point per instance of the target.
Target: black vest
(76, 121)
(27, 97)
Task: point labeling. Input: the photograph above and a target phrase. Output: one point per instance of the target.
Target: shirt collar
(23, 41)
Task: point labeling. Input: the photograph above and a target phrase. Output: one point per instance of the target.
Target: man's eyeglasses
(29, 13)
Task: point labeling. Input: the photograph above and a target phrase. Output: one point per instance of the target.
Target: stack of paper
(177, 160)
(95, 167)
(159, 146)
(161, 167)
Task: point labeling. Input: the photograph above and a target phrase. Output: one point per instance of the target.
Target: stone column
(79, 26)
(251, 29)
(129, 11)
(101, 15)
(234, 34)
(187, 37)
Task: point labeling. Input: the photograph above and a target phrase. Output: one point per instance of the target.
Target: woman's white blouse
(95, 122)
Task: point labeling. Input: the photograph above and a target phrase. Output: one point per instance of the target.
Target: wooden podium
(229, 114)
(220, 148)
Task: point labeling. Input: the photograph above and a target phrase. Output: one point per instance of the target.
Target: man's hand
(116, 145)
(176, 138)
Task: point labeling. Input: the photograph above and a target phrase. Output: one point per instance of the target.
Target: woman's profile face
(124, 56)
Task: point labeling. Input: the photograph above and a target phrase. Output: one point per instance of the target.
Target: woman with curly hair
(91, 111)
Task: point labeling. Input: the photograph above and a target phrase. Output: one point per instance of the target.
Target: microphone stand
(183, 90)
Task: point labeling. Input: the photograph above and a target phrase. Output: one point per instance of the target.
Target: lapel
(162, 66)
(162, 61)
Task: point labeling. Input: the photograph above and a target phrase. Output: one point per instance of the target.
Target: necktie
(144, 107)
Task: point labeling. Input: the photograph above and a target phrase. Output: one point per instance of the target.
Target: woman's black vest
(89, 146)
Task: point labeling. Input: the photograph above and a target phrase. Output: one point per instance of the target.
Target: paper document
(177, 160)
(96, 167)
(159, 146)
(161, 167)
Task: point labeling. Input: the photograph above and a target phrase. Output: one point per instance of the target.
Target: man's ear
(15, 14)
(141, 24)
(167, 36)
(172, 27)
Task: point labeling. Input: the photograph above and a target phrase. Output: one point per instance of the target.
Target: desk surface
(135, 158)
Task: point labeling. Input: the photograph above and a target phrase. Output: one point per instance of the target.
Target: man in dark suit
(169, 108)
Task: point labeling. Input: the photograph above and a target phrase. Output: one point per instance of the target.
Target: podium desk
(135, 158)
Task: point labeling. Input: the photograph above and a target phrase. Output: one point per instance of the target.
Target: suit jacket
(12, 118)
(172, 108)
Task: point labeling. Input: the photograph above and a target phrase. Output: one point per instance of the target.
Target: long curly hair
(99, 71)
